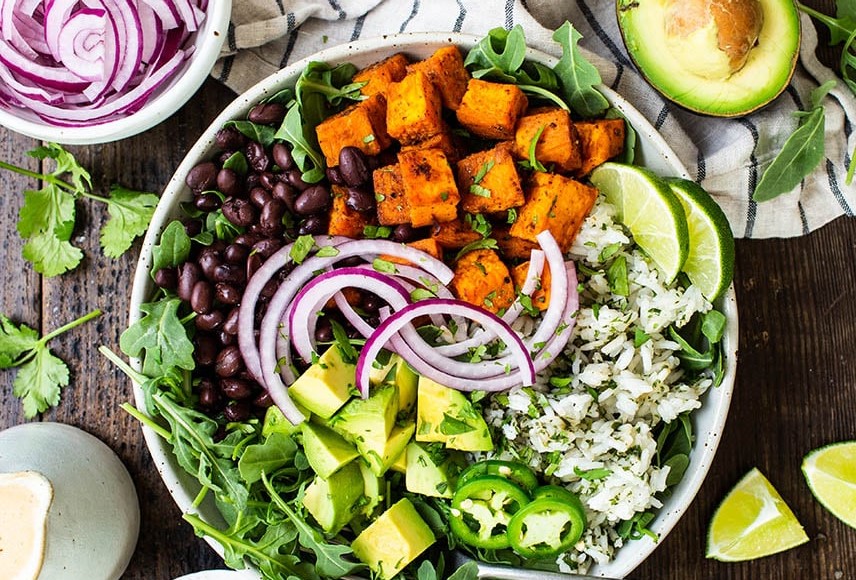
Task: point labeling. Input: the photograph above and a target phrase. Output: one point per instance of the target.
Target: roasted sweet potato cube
(512, 246)
(444, 141)
(600, 141)
(345, 221)
(553, 202)
(454, 235)
(413, 111)
(445, 68)
(392, 206)
(557, 142)
(481, 278)
(429, 186)
(488, 181)
(427, 245)
(380, 75)
(540, 297)
(362, 125)
(491, 110)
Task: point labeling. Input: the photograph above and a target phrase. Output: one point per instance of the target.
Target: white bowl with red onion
(101, 70)
(296, 303)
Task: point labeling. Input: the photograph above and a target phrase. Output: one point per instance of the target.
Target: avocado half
(724, 58)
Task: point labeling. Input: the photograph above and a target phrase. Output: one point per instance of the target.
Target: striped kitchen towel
(727, 156)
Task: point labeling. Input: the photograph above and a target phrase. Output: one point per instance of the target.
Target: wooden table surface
(795, 391)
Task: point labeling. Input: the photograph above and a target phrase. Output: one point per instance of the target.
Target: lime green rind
(830, 473)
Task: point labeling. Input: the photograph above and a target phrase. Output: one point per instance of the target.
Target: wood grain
(796, 383)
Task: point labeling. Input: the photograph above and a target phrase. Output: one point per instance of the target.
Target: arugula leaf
(579, 78)
(264, 134)
(130, 213)
(41, 375)
(237, 162)
(173, 249)
(276, 451)
(161, 334)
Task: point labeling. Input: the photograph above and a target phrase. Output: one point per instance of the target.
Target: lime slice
(831, 475)
(752, 521)
(710, 264)
(649, 209)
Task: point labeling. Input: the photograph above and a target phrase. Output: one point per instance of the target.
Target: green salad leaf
(161, 335)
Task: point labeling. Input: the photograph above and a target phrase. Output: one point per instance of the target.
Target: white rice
(559, 432)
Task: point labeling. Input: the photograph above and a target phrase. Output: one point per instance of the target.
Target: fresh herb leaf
(277, 451)
(327, 252)
(237, 162)
(301, 248)
(384, 266)
(483, 244)
(173, 249)
(375, 232)
(616, 274)
(162, 336)
(479, 224)
(130, 213)
(592, 474)
(453, 426)
(512, 216)
(640, 337)
(264, 134)
(343, 343)
(534, 164)
(578, 77)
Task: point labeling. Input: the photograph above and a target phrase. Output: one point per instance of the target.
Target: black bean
(267, 247)
(286, 194)
(263, 400)
(209, 396)
(313, 200)
(202, 297)
(188, 274)
(334, 174)
(270, 217)
(166, 278)
(254, 262)
(259, 196)
(239, 211)
(236, 253)
(245, 239)
(192, 227)
(236, 389)
(229, 139)
(268, 180)
(202, 176)
(251, 181)
(270, 288)
(208, 259)
(282, 156)
(209, 321)
(229, 362)
(360, 199)
(371, 303)
(257, 156)
(227, 339)
(229, 273)
(404, 233)
(230, 325)
(350, 262)
(353, 166)
(323, 331)
(315, 225)
(228, 182)
(267, 113)
(205, 349)
(226, 293)
(295, 179)
(237, 411)
(206, 202)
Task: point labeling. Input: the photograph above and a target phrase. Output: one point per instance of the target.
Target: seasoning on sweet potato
(345, 221)
(392, 206)
(413, 109)
(540, 298)
(491, 110)
(481, 278)
(512, 246)
(429, 186)
(557, 142)
(455, 234)
(362, 125)
(380, 75)
(427, 245)
(600, 141)
(556, 203)
(488, 180)
(444, 141)
(445, 68)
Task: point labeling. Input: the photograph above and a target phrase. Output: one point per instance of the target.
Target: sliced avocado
(447, 415)
(374, 488)
(400, 464)
(714, 57)
(333, 502)
(326, 385)
(370, 419)
(326, 451)
(407, 381)
(380, 458)
(383, 372)
(431, 469)
(394, 540)
(275, 421)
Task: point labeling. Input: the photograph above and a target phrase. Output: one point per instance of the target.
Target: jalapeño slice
(482, 509)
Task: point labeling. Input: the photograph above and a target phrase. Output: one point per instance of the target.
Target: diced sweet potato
(556, 203)
(512, 246)
(481, 278)
(429, 186)
(427, 245)
(445, 68)
(454, 235)
(600, 141)
(362, 125)
(488, 181)
(444, 141)
(392, 206)
(491, 110)
(541, 295)
(380, 75)
(344, 221)
(413, 111)
(557, 144)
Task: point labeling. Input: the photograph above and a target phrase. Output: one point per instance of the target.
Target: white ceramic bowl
(651, 151)
(166, 99)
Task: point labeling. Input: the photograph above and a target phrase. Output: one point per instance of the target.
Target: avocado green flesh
(765, 74)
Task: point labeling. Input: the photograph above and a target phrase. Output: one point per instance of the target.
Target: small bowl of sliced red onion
(95, 71)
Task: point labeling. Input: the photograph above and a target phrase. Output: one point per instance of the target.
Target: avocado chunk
(431, 469)
(334, 501)
(381, 458)
(394, 540)
(447, 415)
(717, 57)
(397, 372)
(373, 489)
(326, 385)
(370, 419)
(400, 464)
(326, 451)
(275, 422)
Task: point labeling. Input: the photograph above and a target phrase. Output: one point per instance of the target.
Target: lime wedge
(649, 209)
(752, 521)
(710, 264)
(831, 475)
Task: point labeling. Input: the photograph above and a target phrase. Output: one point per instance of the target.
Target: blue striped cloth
(727, 156)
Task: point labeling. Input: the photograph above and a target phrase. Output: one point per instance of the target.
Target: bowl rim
(713, 412)
(167, 99)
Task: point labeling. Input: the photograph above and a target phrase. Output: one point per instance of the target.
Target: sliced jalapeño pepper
(560, 493)
(482, 509)
(517, 473)
(547, 526)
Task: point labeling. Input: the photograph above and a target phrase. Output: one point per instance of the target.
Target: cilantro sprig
(41, 374)
(47, 217)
